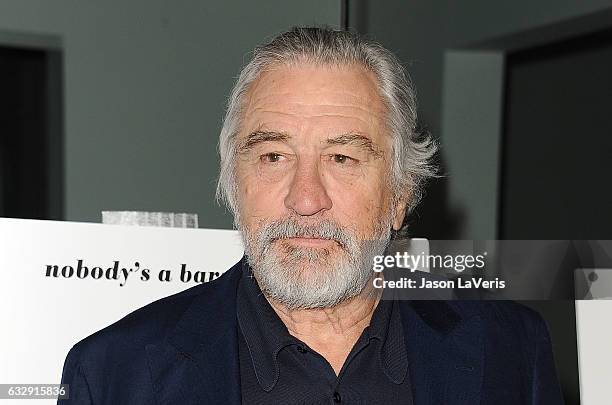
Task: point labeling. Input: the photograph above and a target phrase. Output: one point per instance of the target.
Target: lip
(310, 242)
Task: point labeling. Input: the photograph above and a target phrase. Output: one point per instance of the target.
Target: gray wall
(146, 83)
(454, 51)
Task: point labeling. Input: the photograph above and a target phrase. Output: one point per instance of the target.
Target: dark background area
(557, 146)
(31, 177)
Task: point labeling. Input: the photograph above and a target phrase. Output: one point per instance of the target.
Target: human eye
(271, 157)
(343, 159)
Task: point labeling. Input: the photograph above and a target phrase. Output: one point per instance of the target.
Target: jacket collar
(199, 361)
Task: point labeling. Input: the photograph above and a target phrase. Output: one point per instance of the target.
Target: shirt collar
(263, 331)
(266, 335)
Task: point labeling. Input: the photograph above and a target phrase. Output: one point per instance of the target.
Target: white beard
(309, 277)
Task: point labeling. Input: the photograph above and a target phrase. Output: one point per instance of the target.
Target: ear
(399, 214)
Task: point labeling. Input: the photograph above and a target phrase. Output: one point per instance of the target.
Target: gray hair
(412, 151)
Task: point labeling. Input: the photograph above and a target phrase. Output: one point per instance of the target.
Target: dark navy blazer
(183, 349)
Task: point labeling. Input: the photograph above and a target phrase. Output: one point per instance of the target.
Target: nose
(307, 193)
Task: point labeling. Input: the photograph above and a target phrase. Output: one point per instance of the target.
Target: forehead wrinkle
(364, 107)
(372, 118)
(259, 116)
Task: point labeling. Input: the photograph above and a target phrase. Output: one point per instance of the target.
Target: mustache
(290, 228)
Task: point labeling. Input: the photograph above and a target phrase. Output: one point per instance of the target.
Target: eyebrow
(256, 137)
(351, 139)
(358, 140)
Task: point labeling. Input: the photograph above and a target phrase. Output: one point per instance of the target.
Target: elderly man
(320, 164)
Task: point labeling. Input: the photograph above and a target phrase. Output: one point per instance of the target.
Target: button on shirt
(278, 368)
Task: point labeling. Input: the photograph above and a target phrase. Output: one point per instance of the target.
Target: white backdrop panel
(42, 316)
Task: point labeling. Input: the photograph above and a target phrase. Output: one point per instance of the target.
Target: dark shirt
(277, 368)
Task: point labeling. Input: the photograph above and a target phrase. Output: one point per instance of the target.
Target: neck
(332, 332)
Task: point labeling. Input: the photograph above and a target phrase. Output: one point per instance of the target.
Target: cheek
(362, 208)
(258, 199)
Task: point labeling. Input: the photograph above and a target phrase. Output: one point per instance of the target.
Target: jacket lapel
(445, 352)
(198, 364)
